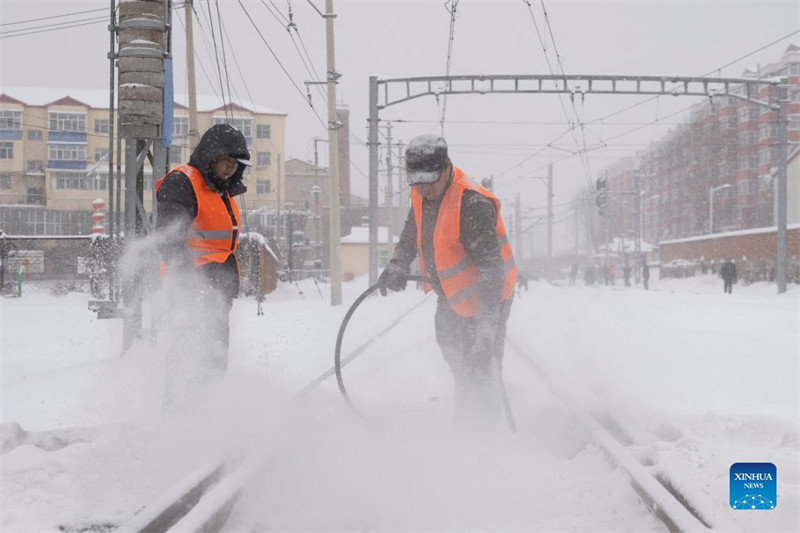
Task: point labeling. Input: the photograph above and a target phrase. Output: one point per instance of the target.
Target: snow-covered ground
(699, 379)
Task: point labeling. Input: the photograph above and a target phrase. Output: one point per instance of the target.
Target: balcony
(66, 137)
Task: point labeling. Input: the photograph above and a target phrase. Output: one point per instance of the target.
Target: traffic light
(488, 183)
(601, 199)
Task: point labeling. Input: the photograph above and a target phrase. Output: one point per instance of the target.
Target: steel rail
(202, 500)
(676, 506)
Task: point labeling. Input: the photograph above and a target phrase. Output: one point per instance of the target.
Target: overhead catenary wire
(224, 60)
(452, 11)
(216, 57)
(637, 104)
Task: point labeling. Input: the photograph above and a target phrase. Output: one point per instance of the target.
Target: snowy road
(699, 379)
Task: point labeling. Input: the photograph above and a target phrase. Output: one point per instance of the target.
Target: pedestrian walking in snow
(456, 228)
(645, 275)
(728, 274)
(198, 227)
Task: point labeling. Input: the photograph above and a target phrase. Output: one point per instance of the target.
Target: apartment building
(719, 166)
(54, 155)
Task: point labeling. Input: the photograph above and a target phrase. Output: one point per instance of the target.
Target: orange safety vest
(213, 238)
(457, 274)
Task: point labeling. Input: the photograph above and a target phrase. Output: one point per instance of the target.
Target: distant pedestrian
(645, 276)
(728, 274)
(522, 282)
(626, 273)
(573, 273)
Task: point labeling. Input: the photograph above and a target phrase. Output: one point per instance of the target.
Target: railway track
(203, 500)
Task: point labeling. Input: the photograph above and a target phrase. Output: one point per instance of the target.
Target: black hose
(337, 365)
(338, 356)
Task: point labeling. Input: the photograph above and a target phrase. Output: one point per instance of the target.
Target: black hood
(221, 139)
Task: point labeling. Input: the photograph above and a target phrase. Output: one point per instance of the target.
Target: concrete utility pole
(550, 222)
(193, 133)
(638, 241)
(317, 190)
(783, 194)
(372, 141)
(389, 185)
(333, 161)
(278, 224)
(518, 252)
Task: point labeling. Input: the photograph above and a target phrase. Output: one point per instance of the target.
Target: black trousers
(728, 286)
(477, 374)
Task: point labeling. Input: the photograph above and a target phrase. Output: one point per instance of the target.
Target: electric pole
(518, 230)
(389, 185)
(333, 162)
(193, 133)
(550, 222)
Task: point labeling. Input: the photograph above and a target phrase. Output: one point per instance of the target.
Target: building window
(767, 131)
(767, 155)
(245, 125)
(35, 196)
(10, 120)
(180, 126)
(35, 135)
(794, 123)
(35, 165)
(263, 131)
(175, 156)
(6, 150)
(5, 180)
(100, 154)
(66, 152)
(79, 181)
(263, 186)
(101, 125)
(263, 159)
(68, 122)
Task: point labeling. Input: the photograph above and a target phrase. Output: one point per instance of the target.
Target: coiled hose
(338, 356)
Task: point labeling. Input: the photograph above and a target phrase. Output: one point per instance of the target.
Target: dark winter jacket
(177, 203)
(728, 272)
(478, 237)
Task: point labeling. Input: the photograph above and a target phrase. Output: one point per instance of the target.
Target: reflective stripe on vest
(458, 276)
(212, 237)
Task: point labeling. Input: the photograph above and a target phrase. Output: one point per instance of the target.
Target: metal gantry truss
(384, 93)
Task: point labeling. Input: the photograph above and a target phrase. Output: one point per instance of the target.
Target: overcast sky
(489, 134)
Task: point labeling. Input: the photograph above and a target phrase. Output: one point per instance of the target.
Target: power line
(53, 17)
(609, 115)
(216, 56)
(52, 27)
(224, 56)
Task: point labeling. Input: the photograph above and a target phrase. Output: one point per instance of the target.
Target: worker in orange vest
(456, 228)
(197, 225)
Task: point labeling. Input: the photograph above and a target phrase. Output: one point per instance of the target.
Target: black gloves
(393, 278)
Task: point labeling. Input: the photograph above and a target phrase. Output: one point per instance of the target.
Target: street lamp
(711, 205)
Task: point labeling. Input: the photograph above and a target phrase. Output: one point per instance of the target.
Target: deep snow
(700, 379)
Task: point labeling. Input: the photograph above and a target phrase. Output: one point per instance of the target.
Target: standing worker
(198, 228)
(456, 228)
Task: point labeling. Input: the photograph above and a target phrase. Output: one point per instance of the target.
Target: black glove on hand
(393, 277)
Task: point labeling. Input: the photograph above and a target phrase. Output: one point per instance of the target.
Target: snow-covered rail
(679, 507)
(203, 500)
